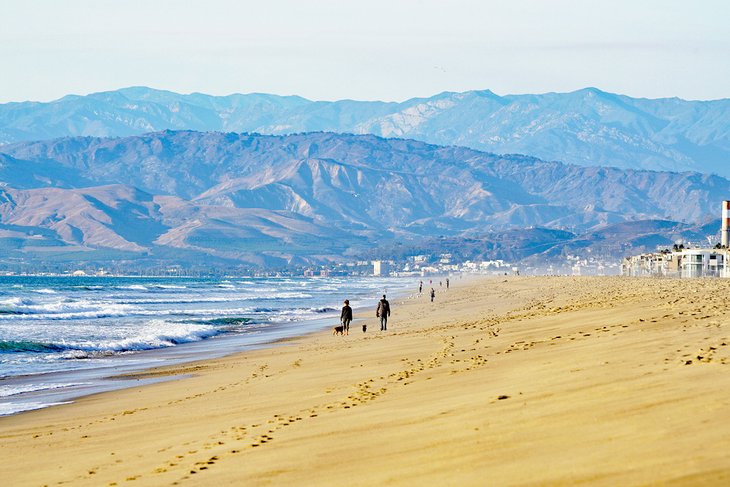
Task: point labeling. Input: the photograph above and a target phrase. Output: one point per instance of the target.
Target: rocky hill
(276, 200)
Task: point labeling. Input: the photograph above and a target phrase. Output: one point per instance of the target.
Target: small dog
(338, 330)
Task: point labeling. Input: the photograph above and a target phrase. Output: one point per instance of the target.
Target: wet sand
(501, 381)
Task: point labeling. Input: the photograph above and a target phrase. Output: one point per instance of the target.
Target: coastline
(35, 390)
(508, 381)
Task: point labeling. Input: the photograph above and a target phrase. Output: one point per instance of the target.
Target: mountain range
(272, 200)
(588, 127)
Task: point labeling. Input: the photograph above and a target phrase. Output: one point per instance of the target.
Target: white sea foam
(183, 300)
(286, 295)
(13, 302)
(151, 335)
(190, 299)
(64, 309)
(259, 289)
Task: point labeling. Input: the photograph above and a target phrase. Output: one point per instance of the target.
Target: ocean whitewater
(63, 337)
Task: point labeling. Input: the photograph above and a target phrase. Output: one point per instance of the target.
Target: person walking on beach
(447, 283)
(346, 317)
(420, 287)
(433, 294)
(383, 312)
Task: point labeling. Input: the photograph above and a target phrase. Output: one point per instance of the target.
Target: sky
(367, 50)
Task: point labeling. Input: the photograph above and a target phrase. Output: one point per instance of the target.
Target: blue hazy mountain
(316, 197)
(588, 127)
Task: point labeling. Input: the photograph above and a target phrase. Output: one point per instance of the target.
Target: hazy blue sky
(387, 50)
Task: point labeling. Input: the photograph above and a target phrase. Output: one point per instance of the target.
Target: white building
(380, 268)
(704, 263)
(699, 262)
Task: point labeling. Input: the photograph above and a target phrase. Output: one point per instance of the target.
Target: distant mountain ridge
(587, 127)
(316, 197)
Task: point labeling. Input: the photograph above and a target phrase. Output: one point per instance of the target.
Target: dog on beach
(338, 330)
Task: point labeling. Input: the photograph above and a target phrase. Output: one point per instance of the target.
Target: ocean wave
(192, 299)
(222, 313)
(257, 289)
(10, 312)
(285, 295)
(14, 390)
(135, 287)
(294, 313)
(322, 310)
(228, 321)
(44, 291)
(119, 311)
(328, 288)
(64, 309)
(15, 302)
(183, 300)
(155, 334)
(16, 346)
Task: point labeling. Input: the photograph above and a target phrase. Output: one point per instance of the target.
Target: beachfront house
(694, 262)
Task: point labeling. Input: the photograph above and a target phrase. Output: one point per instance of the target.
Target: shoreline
(64, 387)
(513, 381)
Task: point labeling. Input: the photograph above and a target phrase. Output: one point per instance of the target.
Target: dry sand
(519, 381)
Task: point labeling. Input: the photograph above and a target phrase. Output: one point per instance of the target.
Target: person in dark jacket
(433, 294)
(383, 312)
(346, 317)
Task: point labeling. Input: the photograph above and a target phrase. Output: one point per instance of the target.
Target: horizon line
(441, 93)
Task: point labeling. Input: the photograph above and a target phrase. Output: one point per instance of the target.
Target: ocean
(62, 337)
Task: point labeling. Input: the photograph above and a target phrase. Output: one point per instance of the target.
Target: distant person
(420, 287)
(383, 312)
(447, 283)
(441, 283)
(346, 317)
(433, 294)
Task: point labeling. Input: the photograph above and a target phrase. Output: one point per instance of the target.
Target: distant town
(412, 266)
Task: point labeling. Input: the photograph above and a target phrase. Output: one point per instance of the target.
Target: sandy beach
(500, 381)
